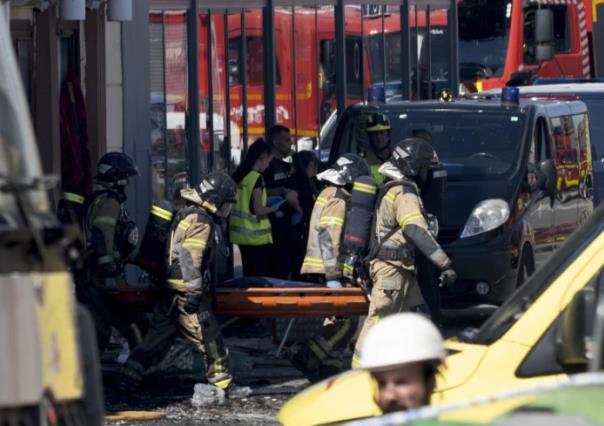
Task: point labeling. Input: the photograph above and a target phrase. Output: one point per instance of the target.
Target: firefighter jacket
(401, 228)
(190, 250)
(325, 234)
(107, 227)
(245, 227)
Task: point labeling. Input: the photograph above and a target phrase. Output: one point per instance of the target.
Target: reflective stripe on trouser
(201, 329)
(333, 337)
(394, 290)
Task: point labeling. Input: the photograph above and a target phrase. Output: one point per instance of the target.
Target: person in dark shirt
(277, 179)
(302, 180)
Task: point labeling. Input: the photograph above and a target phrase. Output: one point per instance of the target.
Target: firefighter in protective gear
(378, 131)
(185, 303)
(111, 238)
(400, 229)
(318, 357)
(403, 353)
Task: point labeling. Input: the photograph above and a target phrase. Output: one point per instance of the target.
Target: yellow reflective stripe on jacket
(104, 220)
(409, 217)
(73, 197)
(162, 213)
(348, 269)
(321, 201)
(183, 226)
(331, 220)
(245, 227)
(175, 283)
(390, 196)
(313, 261)
(194, 243)
(363, 187)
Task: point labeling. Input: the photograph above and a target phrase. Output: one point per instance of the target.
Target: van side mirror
(547, 169)
(544, 52)
(575, 330)
(544, 35)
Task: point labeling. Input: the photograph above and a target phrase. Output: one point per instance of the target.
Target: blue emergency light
(510, 96)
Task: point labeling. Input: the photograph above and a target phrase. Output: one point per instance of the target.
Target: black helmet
(346, 170)
(377, 122)
(217, 191)
(116, 168)
(412, 154)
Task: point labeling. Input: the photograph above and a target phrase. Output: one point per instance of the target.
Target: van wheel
(93, 404)
(526, 266)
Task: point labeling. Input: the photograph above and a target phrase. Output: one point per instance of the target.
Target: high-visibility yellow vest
(245, 227)
(379, 178)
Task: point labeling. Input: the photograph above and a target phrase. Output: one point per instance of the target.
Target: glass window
(483, 42)
(472, 145)
(561, 31)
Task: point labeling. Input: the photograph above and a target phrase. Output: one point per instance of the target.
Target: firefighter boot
(307, 363)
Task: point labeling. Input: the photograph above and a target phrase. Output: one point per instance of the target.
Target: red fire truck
(496, 44)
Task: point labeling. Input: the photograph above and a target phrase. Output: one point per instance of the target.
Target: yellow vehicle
(542, 333)
(49, 366)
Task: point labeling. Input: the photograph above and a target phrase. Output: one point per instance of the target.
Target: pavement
(268, 381)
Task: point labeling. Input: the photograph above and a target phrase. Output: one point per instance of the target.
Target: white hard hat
(401, 339)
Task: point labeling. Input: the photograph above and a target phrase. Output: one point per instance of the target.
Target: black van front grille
(448, 234)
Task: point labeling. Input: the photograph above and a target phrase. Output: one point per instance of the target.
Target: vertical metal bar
(227, 93)
(363, 82)
(340, 58)
(193, 83)
(418, 77)
(210, 111)
(243, 80)
(165, 105)
(453, 48)
(383, 36)
(428, 42)
(294, 85)
(269, 65)
(405, 51)
(318, 88)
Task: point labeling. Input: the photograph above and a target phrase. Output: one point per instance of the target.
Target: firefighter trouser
(105, 311)
(201, 329)
(394, 290)
(322, 350)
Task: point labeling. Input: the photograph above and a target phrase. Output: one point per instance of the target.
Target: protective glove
(192, 303)
(447, 277)
(334, 284)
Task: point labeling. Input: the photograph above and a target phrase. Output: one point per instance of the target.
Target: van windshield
(513, 309)
(472, 145)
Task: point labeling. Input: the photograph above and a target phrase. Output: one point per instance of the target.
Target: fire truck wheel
(92, 403)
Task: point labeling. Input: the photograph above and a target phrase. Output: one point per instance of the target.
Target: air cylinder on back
(154, 245)
(358, 222)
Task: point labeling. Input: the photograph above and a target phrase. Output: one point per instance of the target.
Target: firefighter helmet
(377, 122)
(412, 154)
(115, 168)
(346, 170)
(217, 192)
(401, 339)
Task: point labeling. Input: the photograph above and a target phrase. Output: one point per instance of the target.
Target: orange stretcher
(261, 297)
(296, 302)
